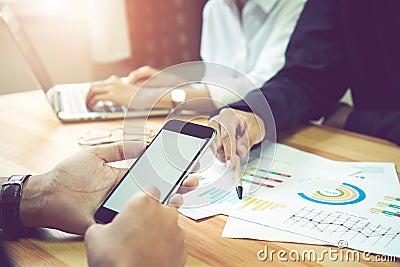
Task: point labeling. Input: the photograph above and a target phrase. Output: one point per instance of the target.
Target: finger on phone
(176, 200)
(196, 168)
(152, 191)
(218, 148)
(189, 184)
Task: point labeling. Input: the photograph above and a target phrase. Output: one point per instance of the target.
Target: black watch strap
(10, 199)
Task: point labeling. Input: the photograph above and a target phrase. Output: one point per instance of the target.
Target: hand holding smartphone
(170, 157)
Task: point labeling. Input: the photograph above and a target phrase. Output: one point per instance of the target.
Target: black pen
(238, 178)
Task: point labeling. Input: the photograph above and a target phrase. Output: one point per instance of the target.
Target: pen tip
(239, 191)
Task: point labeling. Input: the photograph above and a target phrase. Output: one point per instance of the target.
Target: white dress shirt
(254, 44)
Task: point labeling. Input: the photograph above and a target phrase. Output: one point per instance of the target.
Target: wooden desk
(33, 141)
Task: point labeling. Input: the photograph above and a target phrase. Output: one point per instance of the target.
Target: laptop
(68, 100)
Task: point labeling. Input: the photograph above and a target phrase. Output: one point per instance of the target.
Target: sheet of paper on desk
(216, 194)
(313, 189)
(382, 173)
(373, 226)
(364, 213)
(297, 158)
(241, 228)
(378, 171)
(270, 200)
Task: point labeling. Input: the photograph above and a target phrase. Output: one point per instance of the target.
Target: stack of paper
(294, 196)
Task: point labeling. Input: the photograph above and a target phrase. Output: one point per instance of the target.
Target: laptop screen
(25, 47)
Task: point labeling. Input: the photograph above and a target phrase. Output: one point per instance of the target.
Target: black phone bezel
(105, 215)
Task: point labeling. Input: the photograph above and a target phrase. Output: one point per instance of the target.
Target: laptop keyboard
(107, 106)
(73, 101)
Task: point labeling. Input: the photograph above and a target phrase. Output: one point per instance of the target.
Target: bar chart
(264, 178)
(218, 196)
(389, 206)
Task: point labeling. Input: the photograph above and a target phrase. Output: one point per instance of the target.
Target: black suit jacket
(338, 44)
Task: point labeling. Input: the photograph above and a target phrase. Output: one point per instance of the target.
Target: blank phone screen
(162, 165)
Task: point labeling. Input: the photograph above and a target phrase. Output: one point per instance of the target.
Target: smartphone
(166, 162)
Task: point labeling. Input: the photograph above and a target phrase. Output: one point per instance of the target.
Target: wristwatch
(10, 199)
(178, 96)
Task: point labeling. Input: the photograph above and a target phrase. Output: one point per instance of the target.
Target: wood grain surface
(33, 141)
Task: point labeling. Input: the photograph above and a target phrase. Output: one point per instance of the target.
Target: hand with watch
(66, 198)
(10, 198)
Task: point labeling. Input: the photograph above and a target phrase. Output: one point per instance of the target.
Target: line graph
(342, 226)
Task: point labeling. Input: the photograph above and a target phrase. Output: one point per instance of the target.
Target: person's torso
(238, 40)
(372, 35)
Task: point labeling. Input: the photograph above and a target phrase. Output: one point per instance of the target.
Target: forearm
(282, 104)
(197, 98)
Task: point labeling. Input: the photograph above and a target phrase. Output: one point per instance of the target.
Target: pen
(238, 177)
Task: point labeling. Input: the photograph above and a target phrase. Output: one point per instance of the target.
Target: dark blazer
(338, 44)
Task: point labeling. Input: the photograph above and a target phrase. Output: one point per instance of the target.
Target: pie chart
(332, 193)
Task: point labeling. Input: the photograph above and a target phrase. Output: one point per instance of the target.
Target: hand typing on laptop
(120, 90)
(114, 89)
(67, 100)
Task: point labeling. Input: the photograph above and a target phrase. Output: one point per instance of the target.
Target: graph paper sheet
(358, 211)
(285, 181)
(316, 183)
(377, 233)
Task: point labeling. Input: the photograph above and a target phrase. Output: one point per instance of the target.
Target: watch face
(178, 95)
